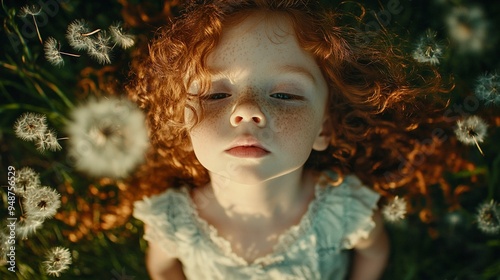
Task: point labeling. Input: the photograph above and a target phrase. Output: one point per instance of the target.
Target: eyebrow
(297, 70)
(287, 68)
(217, 74)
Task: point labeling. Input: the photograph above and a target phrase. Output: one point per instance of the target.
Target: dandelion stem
(477, 145)
(90, 33)
(37, 31)
(70, 54)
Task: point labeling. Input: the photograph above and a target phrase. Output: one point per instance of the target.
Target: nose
(247, 112)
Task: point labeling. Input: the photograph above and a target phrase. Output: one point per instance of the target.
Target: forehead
(275, 24)
(264, 38)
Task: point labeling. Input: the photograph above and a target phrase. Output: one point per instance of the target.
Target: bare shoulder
(161, 264)
(377, 237)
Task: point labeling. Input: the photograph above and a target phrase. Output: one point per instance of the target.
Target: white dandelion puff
(78, 35)
(42, 203)
(53, 53)
(100, 48)
(487, 89)
(26, 179)
(107, 137)
(471, 131)
(123, 40)
(395, 210)
(468, 28)
(427, 49)
(48, 141)
(27, 227)
(454, 218)
(57, 261)
(30, 126)
(488, 217)
(32, 10)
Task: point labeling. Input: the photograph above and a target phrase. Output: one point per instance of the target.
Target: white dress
(315, 248)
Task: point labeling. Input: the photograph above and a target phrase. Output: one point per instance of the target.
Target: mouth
(247, 152)
(247, 148)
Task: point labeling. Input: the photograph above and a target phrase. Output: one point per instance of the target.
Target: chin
(251, 176)
(247, 177)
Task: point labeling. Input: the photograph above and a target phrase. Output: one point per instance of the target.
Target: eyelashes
(279, 95)
(286, 96)
(216, 96)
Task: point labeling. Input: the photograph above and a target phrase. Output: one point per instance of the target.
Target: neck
(268, 201)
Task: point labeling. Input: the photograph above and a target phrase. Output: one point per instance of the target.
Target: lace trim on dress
(285, 239)
(337, 217)
(158, 223)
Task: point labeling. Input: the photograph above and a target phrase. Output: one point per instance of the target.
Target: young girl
(271, 124)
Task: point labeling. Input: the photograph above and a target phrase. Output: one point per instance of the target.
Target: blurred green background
(445, 245)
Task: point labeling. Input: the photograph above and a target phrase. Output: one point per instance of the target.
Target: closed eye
(216, 96)
(286, 96)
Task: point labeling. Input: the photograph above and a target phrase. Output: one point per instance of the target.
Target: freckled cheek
(210, 124)
(295, 126)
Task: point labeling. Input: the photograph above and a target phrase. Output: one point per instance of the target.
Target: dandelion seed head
(75, 37)
(52, 53)
(30, 10)
(487, 89)
(488, 217)
(48, 141)
(123, 40)
(57, 261)
(454, 218)
(108, 137)
(427, 49)
(470, 130)
(42, 203)
(100, 48)
(395, 210)
(30, 126)
(27, 226)
(26, 179)
(468, 28)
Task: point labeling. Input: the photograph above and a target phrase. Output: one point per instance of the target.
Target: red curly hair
(386, 109)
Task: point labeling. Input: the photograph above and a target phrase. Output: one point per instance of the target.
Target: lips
(247, 152)
(247, 148)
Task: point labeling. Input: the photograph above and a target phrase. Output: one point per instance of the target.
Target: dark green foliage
(450, 246)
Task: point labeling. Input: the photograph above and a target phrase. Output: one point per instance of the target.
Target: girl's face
(265, 110)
